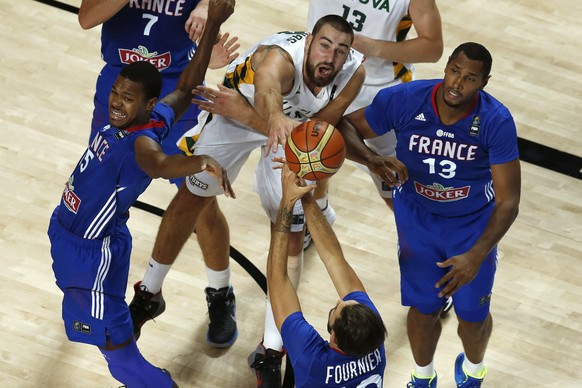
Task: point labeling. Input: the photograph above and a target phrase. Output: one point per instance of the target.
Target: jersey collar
(151, 125)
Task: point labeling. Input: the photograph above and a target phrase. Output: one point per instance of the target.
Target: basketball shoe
(329, 214)
(266, 363)
(417, 382)
(462, 379)
(222, 331)
(144, 306)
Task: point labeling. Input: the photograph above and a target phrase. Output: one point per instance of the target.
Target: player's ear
(485, 81)
(151, 103)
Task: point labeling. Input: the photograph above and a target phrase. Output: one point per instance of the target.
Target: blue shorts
(93, 277)
(424, 239)
(101, 111)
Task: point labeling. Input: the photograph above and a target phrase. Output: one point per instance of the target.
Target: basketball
(315, 150)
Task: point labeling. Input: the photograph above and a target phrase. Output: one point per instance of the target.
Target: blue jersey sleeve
(503, 138)
(374, 113)
(381, 114)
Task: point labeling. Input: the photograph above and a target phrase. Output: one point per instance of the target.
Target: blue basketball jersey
(448, 165)
(107, 180)
(316, 364)
(157, 35)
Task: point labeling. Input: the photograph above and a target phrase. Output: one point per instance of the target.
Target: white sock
(271, 338)
(218, 279)
(474, 370)
(322, 202)
(154, 276)
(424, 372)
(294, 269)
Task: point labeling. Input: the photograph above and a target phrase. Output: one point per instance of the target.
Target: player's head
(475, 52)
(355, 328)
(134, 94)
(327, 48)
(467, 71)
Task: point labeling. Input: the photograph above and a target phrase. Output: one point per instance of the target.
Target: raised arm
(148, 153)
(180, 99)
(426, 47)
(507, 184)
(274, 77)
(282, 294)
(328, 247)
(95, 12)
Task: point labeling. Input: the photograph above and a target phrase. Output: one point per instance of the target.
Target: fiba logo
(441, 133)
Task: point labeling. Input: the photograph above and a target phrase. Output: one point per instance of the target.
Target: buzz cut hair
(146, 74)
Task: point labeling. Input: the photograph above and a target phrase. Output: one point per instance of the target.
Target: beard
(311, 70)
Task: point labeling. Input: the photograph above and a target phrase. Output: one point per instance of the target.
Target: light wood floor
(48, 71)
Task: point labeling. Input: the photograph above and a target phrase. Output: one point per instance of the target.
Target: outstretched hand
(294, 187)
(224, 51)
(464, 269)
(222, 101)
(280, 127)
(213, 168)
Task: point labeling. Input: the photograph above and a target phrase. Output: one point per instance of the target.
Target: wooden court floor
(48, 71)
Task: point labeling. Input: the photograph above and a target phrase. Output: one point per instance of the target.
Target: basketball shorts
(384, 145)
(268, 186)
(93, 277)
(169, 81)
(424, 239)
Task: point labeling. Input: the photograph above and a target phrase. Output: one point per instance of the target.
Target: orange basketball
(315, 150)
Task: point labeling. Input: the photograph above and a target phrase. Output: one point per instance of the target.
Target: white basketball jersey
(299, 104)
(377, 19)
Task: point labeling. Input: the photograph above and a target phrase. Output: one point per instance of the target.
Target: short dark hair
(358, 330)
(475, 52)
(336, 22)
(146, 74)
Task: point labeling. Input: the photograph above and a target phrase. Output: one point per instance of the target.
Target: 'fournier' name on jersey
(440, 147)
(166, 7)
(348, 371)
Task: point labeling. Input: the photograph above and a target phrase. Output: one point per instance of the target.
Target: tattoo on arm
(284, 219)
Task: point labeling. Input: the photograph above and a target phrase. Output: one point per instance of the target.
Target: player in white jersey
(381, 33)
(286, 79)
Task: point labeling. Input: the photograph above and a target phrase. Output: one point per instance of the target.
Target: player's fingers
(444, 280)
(449, 290)
(232, 42)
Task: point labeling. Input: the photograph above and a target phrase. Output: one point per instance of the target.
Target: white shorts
(268, 186)
(384, 145)
(227, 141)
(231, 144)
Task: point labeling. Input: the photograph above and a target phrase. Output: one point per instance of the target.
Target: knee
(480, 329)
(425, 321)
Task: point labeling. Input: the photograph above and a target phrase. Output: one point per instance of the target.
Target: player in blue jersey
(90, 241)
(354, 356)
(160, 32)
(461, 196)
